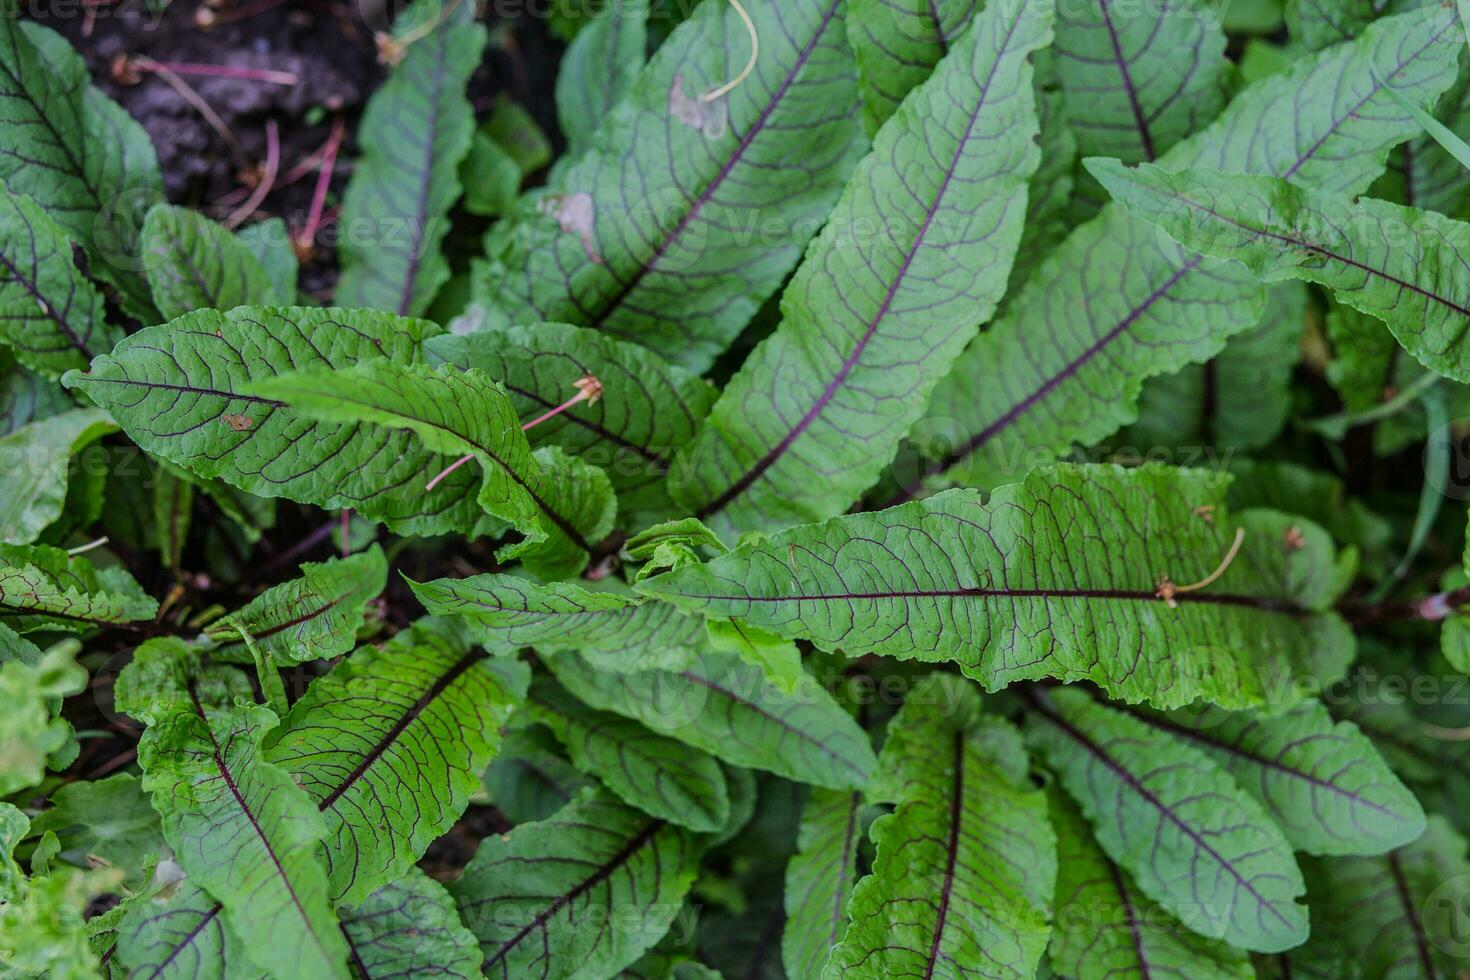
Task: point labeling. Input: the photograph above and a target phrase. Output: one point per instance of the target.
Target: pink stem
(267, 75)
(585, 392)
(267, 178)
(307, 238)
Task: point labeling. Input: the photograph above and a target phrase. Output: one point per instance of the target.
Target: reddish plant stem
(1432, 608)
(306, 238)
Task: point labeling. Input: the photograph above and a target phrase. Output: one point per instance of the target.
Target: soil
(327, 44)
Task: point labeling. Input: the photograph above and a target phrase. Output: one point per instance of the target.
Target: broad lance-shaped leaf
(1399, 915)
(76, 153)
(1059, 576)
(728, 708)
(314, 617)
(648, 409)
(389, 746)
(1403, 265)
(872, 322)
(193, 263)
(411, 928)
(34, 464)
(414, 133)
(1179, 825)
(1105, 927)
(962, 883)
(897, 43)
(583, 893)
(598, 68)
(1116, 303)
(45, 588)
(30, 730)
(612, 630)
(819, 879)
(660, 233)
(182, 390)
(239, 825)
(658, 775)
(1138, 79)
(1324, 784)
(456, 413)
(50, 315)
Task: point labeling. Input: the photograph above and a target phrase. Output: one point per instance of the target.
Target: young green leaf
(34, 464)
(661, 777)
(1106, 927)
(1324, 784)
(182, 390)
(1072, 574)
(30, 730)
(415, 131)
(411, 928)
(193, 263)
(728, 708)
(1402, 265)
(1179, 826)
(897, 45)
(614, 631)
(529, 778)
(389, 746)
(1115, 304)
(966, 863)
(648, 408)
(598, 69)
(819, 879)
(270, 242)
(50, 315)
(530, 895)
(314, 617)
(698, 198)
(108, 819)
(45, 588)
(76, 153)
(872, 322)
(26, 396)
(1139, 79)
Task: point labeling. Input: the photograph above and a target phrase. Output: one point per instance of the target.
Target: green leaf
(1318, 24)
(455, 413)
(1138, 80)
(50, 315)
(194, 263)
(614, 631)
(598, 69)
(270, 242)
(411, 928)
(531, 894)
(819, 880)
(659, 776)
(1324, 784)
(897, 45)
(76, 153)
(415, 131)
(177, 932)
(529, 779)
(26, 396)
(34, 464)
(30, 731)
(45, 588)
(389, 746)
(1194, 843)
(1397, 263)
(662, 233)
(871, 323)
(1116, 304)
(963, 877)
(314, 617)
(246, 832)
(108, 819)
(1058, 576)
(183, 391)
(648, 409)
(1105, 927)
(729, 709)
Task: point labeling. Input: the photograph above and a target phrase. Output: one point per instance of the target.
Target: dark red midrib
(838, 917)
(229, 779)
(416, 242)
(439, 686)
(186, 389)
(78, 170)
(357, 962)
(939, 36)
(951, 857)
(603, 872)
(34, 290)
(1139, 119)
(746, 479)
(1411, 916)
(183, 943)
(298, 620)
(1130, 911)
(211, 296)
(626, 288)
(1043, 708)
